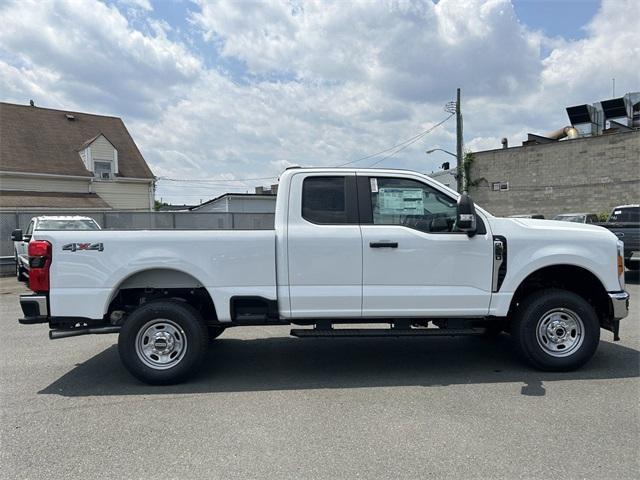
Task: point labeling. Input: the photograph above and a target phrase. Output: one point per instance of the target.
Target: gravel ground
(267, 405)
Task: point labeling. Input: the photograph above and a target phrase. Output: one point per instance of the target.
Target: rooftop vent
(580, 114)
(586, 119)
(614, 108)
(70, 117)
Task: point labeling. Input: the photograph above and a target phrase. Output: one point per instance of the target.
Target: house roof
(44, 140)
(243, 195)
(14, 200)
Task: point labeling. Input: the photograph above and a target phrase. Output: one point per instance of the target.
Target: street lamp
(441, 150)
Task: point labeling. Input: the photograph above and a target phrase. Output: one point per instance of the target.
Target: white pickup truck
(350, 248)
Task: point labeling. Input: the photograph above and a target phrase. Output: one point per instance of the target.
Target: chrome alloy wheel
(161, 344)
(560, 332)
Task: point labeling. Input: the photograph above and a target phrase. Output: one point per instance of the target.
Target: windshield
(626, 214)
(570, 218)
(67, 225)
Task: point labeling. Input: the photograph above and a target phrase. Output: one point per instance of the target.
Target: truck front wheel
(556, 330)
(163, 342)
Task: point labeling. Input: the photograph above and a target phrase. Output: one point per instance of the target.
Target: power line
(411, 140)
(415, 139)
(404, 144)
(378, 153)
(223, 181)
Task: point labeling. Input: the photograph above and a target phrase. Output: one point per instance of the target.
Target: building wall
(218, 206)
(125, 195)
(231, 204)
(264, 204)
(590, 174)
(101, 149)
(43, 184)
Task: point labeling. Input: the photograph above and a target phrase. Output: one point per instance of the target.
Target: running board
(385, 332)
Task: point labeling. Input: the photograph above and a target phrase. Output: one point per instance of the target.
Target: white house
(59, 160)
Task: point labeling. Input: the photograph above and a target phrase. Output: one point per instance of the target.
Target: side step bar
(385, 332)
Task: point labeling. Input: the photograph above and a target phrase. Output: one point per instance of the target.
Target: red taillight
(39, 263)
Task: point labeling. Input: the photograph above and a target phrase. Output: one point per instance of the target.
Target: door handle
(383, 244)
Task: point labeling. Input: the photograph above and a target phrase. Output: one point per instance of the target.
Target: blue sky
(562, 18)
(218, 93)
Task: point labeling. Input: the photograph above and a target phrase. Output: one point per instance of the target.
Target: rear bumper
(35, 308)
(619, 304)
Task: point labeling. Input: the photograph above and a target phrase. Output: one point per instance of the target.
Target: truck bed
(88, 265)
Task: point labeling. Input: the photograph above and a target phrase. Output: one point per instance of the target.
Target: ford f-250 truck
(349, 247)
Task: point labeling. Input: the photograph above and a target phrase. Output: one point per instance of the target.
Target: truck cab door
(415, 262)
(324, 247)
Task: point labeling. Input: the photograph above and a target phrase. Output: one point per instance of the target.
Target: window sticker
(374, 185)
(403, 201)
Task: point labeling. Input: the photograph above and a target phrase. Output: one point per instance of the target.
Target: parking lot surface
(267, 405)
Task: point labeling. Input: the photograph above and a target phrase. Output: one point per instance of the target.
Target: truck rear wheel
(163, 342)
(556, 330)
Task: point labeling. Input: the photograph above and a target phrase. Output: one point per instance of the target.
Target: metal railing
(124, 220)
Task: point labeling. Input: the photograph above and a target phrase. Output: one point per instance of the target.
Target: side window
(324, 200)
(29, 228)
(399, 201)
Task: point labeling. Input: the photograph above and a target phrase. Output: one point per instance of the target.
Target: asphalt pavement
(267, 405)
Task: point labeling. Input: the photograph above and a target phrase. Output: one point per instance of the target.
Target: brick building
(590, 171)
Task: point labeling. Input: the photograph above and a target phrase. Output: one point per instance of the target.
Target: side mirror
(16, 235)
(466, 215)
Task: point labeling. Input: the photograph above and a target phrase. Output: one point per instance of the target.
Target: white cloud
(410, 50)
(98, 59)
(141, 4)
(584, 68)
(327, 82)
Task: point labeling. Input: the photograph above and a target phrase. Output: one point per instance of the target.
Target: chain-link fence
(112, 220)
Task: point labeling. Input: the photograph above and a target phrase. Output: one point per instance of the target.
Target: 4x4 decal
(72, 247)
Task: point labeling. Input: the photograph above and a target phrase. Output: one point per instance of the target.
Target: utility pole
(462, 185)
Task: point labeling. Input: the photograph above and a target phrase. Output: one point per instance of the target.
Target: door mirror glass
(466, 215)
(16, 235)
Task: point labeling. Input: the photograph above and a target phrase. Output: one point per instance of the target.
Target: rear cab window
(625, 214)
(329, 200)
(67, 225)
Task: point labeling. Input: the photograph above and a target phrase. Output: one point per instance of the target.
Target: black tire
(632, 265)
(183, 325)
(215, 332)
(20, 271)
(532, 314)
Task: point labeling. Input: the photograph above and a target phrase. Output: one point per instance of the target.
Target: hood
(537, 226)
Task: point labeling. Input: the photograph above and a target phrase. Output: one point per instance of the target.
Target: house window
(495, 186)
(103, 170)
(504, 186)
